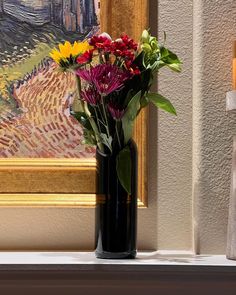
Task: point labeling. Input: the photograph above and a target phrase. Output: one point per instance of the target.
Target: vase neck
(131, 143)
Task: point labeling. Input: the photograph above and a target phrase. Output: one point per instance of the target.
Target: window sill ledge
(151, 273)
(85, 261)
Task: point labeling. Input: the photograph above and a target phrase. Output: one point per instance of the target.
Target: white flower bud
(105, 35)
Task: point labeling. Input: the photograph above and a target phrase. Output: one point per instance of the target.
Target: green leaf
(106, 140)
(155, 65)
(89, 137)
(130, 115)
(144, 101)
(175, 67)
(128, 98)
(146, 47)
(123, 168)
(161, 102)
(170, 59)
(164, 37)
(164, 52)
(82, 118)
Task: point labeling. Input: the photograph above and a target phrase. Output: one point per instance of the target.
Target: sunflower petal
(55, 55)
(68, 50)
(65, 49)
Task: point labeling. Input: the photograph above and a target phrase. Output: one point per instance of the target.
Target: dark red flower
(125, 50)
(132, 68)
(118, 47)
(135, 70)
(115, 111)
(102, 41)
(85, 57)
(130, 43)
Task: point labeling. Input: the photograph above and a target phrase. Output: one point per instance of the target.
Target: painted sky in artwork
(35, 98)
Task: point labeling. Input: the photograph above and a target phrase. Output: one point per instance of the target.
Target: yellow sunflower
(68, 51)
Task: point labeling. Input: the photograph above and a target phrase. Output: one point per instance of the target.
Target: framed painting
(43, 161)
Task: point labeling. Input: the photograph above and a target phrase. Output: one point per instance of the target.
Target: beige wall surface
(189, 156)
(174, 201)
(195, 149)
(214, 32)
(61, 229)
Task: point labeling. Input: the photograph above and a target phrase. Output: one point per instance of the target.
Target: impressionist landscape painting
(35, 97)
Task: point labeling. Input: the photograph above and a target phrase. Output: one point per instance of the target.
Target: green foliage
(161, 102)
(88, 132)
(123, 168)
(82, 118)
(170, 59)
(157, 56)
(130, 116)
(89, 137)
(106, 140)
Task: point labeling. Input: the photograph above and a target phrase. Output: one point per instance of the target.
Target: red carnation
(132, 68)
(130, 43)
(102, 41)
(85, 57)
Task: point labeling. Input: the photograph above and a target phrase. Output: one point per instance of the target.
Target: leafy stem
(117, 134)
(84, 108)
(105, 116)
(97, 118)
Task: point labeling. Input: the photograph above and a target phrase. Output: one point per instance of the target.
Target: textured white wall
(214, 31)
(202, 35)
(175, 134)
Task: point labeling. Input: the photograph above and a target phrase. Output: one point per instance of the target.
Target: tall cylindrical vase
(116, 210)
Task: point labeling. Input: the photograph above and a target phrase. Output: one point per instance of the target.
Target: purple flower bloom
(116, 112)
(105, 77)
(91, 96)
(85, 75)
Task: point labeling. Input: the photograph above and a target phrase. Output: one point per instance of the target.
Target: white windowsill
(146, 261)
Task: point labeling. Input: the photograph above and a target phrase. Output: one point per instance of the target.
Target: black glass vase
(116, 210)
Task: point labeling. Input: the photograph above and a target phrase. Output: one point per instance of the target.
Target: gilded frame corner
(71, 182)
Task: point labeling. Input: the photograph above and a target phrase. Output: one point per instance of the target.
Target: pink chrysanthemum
(106, 78)
(91, 96)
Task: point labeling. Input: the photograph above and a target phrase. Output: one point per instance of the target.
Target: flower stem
(84, 109)
(77, 105)
(117, 134)
(96, 115)
(105, 116)
(94, 127)
(101, 114)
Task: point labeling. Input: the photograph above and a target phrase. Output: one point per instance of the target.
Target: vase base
(115, 255)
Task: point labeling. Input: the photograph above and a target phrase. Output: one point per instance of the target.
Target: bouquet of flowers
(114, 78)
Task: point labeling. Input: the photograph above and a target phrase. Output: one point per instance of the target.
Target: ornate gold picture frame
(71, 182)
